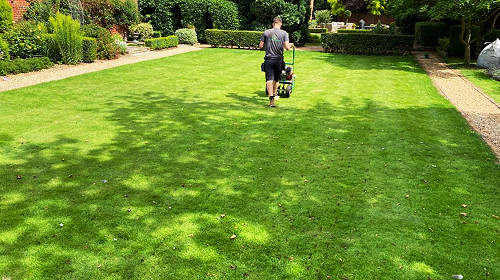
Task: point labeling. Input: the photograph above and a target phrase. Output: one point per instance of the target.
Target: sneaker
(276, 97)
(271, 103)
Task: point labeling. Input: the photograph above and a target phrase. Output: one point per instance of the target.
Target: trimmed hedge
(162, 42)
(354, 31)
(20, 65)
(456, 47)
(314, 38)
(428, 33)
(318, 30)
(230, 38)
(89, 49)
(367, 43)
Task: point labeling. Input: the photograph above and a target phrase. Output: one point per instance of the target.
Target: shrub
(109, 13)
(322, 16)
(4, 50)
(456, 47)
(237, 38)
(106, 46)
(318, 30)
(19, 65)
(354, 31)
(68, 38)
(380, 29)
(314, 38)
(51, 47)
(170, 15)
(427, 33)
(120, 44)
(186, 36)
(5, 16)
(145, 30)
(25, 40)
(444, 45)
(367, 43)
(162, 42)
(89, 49)
(156, 34)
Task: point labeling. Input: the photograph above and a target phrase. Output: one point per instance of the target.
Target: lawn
(478, 77)
(146, 171)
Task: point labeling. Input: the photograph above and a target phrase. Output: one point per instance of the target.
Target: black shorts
(273, 67)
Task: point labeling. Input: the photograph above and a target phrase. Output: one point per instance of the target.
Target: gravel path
(482, 113)
(59, 72)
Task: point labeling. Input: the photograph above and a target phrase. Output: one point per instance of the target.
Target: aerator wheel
(288, 91)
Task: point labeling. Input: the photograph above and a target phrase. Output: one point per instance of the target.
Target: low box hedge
(367, 43)
(354, 31)
(318, 30)
(233, 38)
(428, 33)
(162, 42)
(89, 49)
(20, 65)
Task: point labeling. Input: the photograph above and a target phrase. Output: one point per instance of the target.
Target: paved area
(482, 112)
(59, 72)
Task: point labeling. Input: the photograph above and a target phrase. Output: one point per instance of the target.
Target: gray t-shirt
(274, 41)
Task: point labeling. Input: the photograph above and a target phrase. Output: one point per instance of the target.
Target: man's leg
(270, 91)
(276, 84)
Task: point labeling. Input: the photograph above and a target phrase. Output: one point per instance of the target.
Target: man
(274, 40)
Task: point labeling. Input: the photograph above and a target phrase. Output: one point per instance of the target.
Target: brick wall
(18, 8)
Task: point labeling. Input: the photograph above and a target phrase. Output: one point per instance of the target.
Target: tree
(5, 16)
(376, 7)
(470, 13)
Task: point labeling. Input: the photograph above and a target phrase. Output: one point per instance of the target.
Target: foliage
(25, 40)
(162, 42)
(109, 13)
(456, 47)
(495, 34)
(322, 17)
(408, 12)
(367, 43)
(471, 14)
(339, 7)
(106, 46)
(5, 16)
(170, 15)
(444, 45)
(233, 38)
(428, 33)
(4, 50)
(68, 37)
(51, 48)
(380, 29)
(89, 49)
(314, 38)
(156, 34)
(120, 43)
(41, 11)
(186, 36)
(20, 65)
(295, 16)
(145, 30)
(318, 30)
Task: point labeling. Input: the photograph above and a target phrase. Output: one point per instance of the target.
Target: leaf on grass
(495, 216)
(464, 205)
(191, 235)
(464, 214)
(290, 258)
(222, 216)
(407, 196)
(233, 237)
(19, 176)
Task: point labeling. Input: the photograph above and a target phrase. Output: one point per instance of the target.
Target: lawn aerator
(287, 79)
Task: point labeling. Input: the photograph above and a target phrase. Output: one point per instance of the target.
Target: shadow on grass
(307, 193)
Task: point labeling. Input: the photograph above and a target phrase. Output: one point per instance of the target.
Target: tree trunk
(312, 10)
(467, 55)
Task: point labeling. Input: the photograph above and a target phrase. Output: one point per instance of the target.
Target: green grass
(360, 175)
(478, 77)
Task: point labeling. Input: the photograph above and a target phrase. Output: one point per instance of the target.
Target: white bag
(490, 56)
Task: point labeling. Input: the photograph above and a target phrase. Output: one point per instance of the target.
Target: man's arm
(261, 44)
(288, 46)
